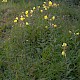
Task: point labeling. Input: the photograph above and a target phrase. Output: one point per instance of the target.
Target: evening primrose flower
(70, 31)
(53, 18)
(44, 2)
(46, 27)
(15, 21)
(26, 12)
(50, 3)
(41, 11)
(38, 7)
(45, 17)
(31, 11)
(4, 1)
(77, 33)
(27, 15)
(22, 18)
(54, 25)
(55, 5)
(34, 8)
(16, 18)
(64, 53)
(44, 6)
(64, 44)
(27, 23)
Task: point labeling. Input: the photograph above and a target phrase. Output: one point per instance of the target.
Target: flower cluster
(75, 33)
(29, 13)
(46, 17)
(64, 46)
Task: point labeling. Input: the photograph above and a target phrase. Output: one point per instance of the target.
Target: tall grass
(34, 51)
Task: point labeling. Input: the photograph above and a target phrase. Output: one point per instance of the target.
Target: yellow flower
(46, 27)
(53, 18)
(55, 5)
(45, 17)
(22, 18)
(34, 8)
(44, 5)
(70, 31)
(41, 11)
(16, 18)
(54, 25)
(38, 7)
(44, 2)
(4, 1)
(45, 8)
(15, 21)
(26, 12)
(27, 15)
(31, 11)
(63, 53)
(27, 23)
(50, 3)
(77, 33)
(64, 44)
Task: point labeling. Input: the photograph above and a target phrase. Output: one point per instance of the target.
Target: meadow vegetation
(39, 40)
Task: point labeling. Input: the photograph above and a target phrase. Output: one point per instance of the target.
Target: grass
(33, 51)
